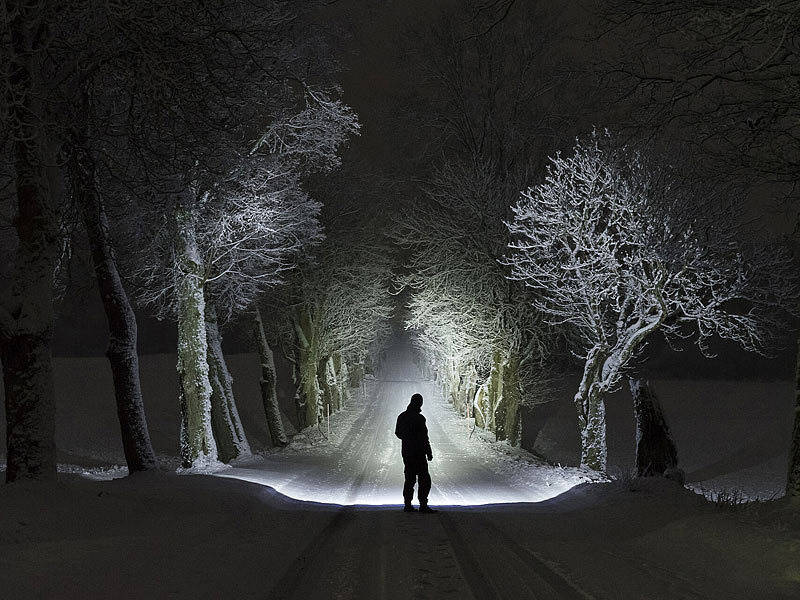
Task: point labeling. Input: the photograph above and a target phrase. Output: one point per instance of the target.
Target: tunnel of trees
(550, 213)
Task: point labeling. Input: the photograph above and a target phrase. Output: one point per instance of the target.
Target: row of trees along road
(333, 316)
(721, 79)
(485, 107)
(616, 248)
(196, 122)
(611, 246)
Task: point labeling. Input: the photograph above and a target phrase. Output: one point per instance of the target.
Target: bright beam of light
(476, 493)
(360, 463)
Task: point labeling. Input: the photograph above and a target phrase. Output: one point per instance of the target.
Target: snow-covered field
(330, 534)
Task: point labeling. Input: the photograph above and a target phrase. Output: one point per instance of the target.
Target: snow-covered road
(378, 553)
(360, 463)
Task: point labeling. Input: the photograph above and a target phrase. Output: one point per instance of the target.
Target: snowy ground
(359, 464)
(199, 536)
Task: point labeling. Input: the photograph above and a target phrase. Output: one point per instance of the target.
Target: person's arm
(427, 442)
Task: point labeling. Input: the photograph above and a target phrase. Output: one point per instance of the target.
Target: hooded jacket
(412, 430)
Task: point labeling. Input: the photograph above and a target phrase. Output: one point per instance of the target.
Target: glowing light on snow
(474, 494)
(359, 462)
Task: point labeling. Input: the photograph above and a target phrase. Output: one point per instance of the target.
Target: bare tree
(336, 315)
(722, 76)
(222, 138)
(616, 249)
(38, 190)
(227, 247)
(492, 118)
(470, 321)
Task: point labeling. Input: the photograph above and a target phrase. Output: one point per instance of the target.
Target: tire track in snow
(503, 568)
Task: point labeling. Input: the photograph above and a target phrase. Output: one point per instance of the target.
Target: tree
(616, 249)
(336, 317)
(726, 80)
(722, 76)
(491, 115)
(482, 337)
(223, 139)
(26, 305)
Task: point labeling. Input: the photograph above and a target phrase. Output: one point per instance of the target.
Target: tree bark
(331, 392)
(342, 379)
(308, 370)
(225, 421)
(26, 314)
(510, 426)
(793, 480)
(655, 448)
(197, 439)
(269, 396)
(591, 410)
(121, 352)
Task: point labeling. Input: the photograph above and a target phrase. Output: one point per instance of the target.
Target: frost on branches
(228, 235)
(615, 250)
(485, 343)
(333, 316)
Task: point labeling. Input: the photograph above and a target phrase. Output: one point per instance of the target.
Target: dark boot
(409, 508)
(424, 508)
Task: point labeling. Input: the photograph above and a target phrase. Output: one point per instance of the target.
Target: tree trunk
(268, 382)
(197, 439)
(510, 426)
(30, 405)
(26, 314)
(655, 448)
(331, 395)
(356, 374)
(309, 369)
(121, 352)
(225, 421)
(793, 481)
(591, 410)
(495, 391)
(342, 379)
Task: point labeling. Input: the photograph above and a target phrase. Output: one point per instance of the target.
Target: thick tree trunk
(121, 352)
(197, 439)
(30, 406)
(793, 480)
(591, 410)
(509, 425)
(495, 392)
(308, 370)
(268, 382)
(481, 405)
(331, 392)
(342, 379)
(299, 398)
(356, 374)
(225, 421)
(26, 313)
(655, 448)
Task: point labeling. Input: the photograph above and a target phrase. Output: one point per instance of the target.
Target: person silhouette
(416, 449)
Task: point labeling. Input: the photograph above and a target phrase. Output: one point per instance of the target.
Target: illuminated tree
(615, 250)
(230, 244)
(335, 317)
(219, 141)
(490, 116)
(483, 338)
(725, 78)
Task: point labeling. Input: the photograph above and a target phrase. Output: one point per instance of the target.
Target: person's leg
(424, 482)
(411, 478)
